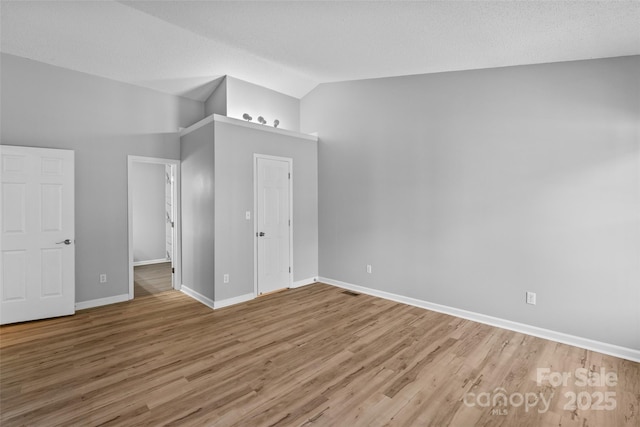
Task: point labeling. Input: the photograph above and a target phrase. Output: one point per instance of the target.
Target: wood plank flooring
(151, 279)
(312, 356)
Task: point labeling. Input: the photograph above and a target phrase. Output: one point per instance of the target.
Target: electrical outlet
(531, 298)
(103, 278)
(247, 215)
(369, 268)
(226, 278)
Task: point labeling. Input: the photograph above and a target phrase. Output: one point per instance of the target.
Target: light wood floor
(151, 279)
(312, 356)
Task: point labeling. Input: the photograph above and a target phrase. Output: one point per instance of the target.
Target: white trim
(102, 301)
(151, 261)
(243, 123)
(197, 125)
(257, 126)
(289, 160)
(232, 301)
(588, 344)
(291, 224)
(177, 230)
(197, 296)
(304, 282)
(214, 305)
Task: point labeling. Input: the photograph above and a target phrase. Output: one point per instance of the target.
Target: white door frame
(177, 235)
(255, 216)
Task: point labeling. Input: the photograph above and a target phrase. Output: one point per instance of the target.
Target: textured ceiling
(181, 47)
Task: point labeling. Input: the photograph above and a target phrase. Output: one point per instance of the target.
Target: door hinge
(289, 175)
(289, 269)
(173, 270)
(289, 223)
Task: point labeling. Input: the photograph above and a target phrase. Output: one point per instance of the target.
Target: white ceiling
(182, 47)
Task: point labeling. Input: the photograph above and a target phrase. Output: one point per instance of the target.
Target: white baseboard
(235, 300)
(588, 344)
(198, 296)
(101, 301)
(303, 282)
(151, 261)
(215, 304)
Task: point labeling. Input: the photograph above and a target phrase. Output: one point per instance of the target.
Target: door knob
(261, 234)
(66, 242)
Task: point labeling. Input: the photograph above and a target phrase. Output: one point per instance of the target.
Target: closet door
(273, 213)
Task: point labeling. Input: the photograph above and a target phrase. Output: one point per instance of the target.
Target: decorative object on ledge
(261, 120)
(247, 117)
(276, 122)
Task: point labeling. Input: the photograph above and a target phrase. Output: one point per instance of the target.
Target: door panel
(51, 166)
(273, 223)
(14, 219)
(51, 207)
(14, 275)
(37, 216)
(52, 272)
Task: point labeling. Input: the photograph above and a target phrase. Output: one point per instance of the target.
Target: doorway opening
(153, 225)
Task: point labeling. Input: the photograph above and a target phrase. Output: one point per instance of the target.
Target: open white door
(273, 219)
(37, 248)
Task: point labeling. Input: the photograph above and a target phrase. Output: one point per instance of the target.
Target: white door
(168, 206)
(37, 254)
(273, 217)
(169, 217)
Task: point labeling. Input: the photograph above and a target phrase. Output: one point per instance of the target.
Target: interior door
(37, 254)
(170, 217)
(273, 215)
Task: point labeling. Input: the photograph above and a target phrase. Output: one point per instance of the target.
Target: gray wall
(103, 121)
(469, 188)
(244, 97)
(149, 211)
(197, 185)
(217, 102)
(234, 150)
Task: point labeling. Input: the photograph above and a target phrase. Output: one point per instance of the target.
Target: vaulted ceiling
(182, 47)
